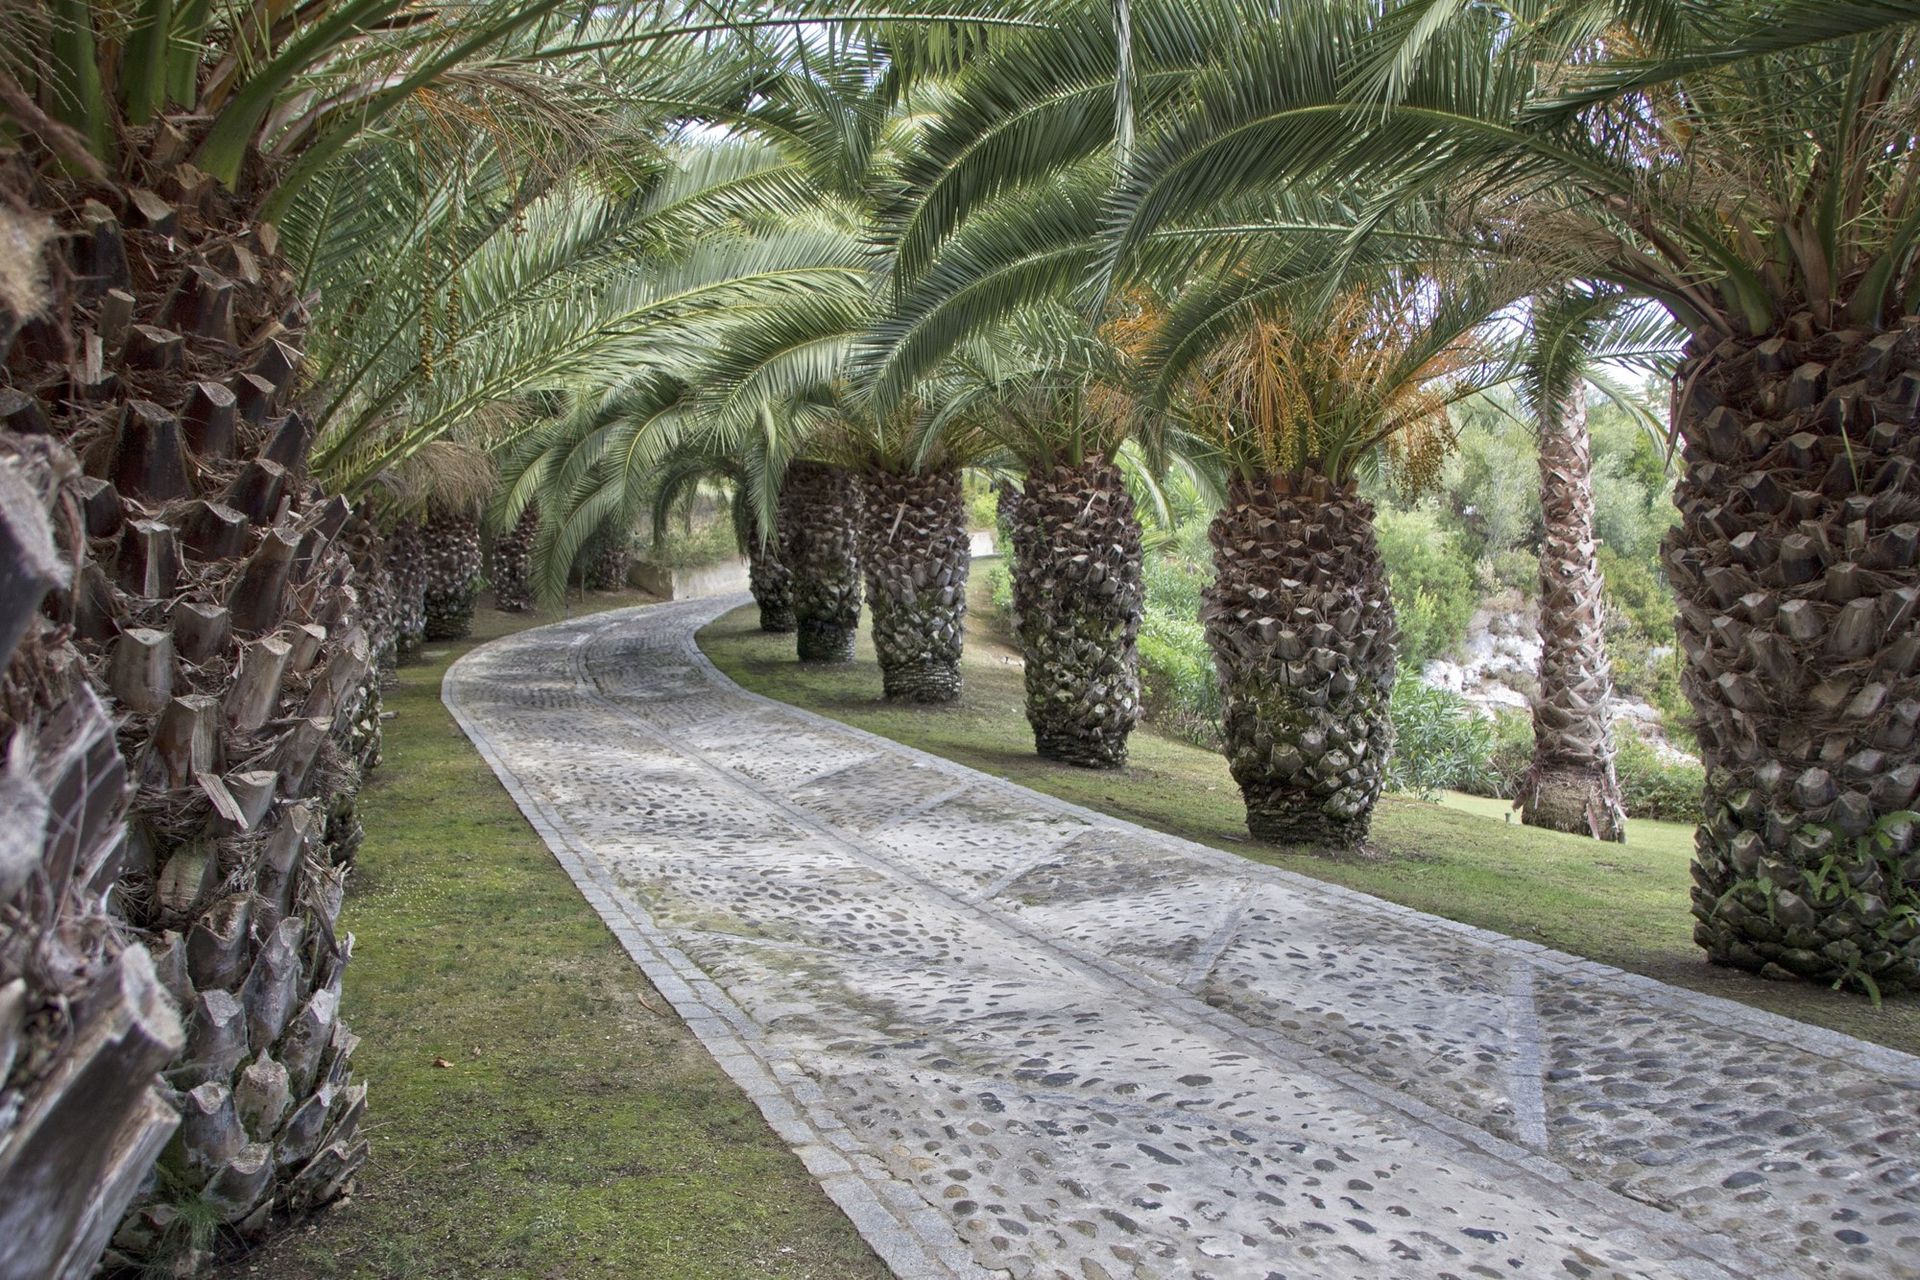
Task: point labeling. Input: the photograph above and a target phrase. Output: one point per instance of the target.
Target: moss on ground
(1624, 905)
(580, 1132)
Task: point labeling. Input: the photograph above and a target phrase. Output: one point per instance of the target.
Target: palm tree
(819, 524)
(167, 157)
(510, 570)
(1302, 399)
(1051, 398)
(1571, 784)
(698, 462)
(162, 150)
(913, 535)
(1749, 166)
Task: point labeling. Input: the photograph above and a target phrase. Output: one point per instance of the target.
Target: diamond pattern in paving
(1016, 1038)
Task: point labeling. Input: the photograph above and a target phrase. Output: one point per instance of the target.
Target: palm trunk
(453, 559)
(1571, 785)
(406, 560)
(771, 583)
(914, 548)
(1797, 567)
(220, 616)
(84, 1021)
(1302, 631)
(1077, 595)
(608, 564)
(512, 573)
(819, 518)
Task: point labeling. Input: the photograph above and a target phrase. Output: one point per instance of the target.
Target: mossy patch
(1623, 905)
(580, 1130)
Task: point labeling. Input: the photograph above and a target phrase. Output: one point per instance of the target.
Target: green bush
(1178, 690)
(983, 504)
(1432, 579)
(709, 541)
(1512, 754)
(1173, 583)
(1439, 743)
(1654, 788)
(1490, 488)
(999, 580)
(1517, 569)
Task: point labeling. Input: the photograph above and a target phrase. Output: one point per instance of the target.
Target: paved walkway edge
(890, 1215)
(914, 1243)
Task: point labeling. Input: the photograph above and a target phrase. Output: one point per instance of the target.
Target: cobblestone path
(1013, 1037)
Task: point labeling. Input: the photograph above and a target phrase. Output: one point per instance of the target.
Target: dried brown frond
(1325, 389)
(445, 477)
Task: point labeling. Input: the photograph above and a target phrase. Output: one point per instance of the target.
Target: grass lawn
(1624, 905)
(580, 1132)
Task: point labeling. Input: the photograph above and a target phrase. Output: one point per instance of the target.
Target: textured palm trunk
(771, 583)
(914, 548)
(451, 542)
(405, 554)
(1571, 785)
(215, 603)
(84, 1021)
(512, 572)
(1077, 596)
(1302, 631)
(819, 522)
(608, 565)
(1797, 567)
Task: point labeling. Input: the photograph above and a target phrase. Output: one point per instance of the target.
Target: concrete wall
(724, 578)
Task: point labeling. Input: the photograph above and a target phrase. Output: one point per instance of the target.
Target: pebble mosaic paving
(1015, 1038)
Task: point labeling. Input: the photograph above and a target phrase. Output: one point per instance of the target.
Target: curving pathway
(1014, 1037)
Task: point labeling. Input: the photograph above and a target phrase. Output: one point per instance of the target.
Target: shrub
(983, 504)
(999, 580)
(1440, 743)
(1490, 488)
(1178, 688)
(707, 542)
(1515, 569)
(1432, 579)
(1512, 753)
(1651, 787)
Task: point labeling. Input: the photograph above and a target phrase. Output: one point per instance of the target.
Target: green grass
(581, 1131)
(1624, 905)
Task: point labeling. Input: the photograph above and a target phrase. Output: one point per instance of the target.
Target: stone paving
(1012, 1037)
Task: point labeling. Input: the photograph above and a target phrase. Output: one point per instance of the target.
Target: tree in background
(1301, 401)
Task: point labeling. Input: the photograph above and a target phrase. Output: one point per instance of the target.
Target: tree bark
(219, 587)
(405, 553)
(1570, 784)
(1303, 637)
(451, 541)
(1797, 567)
(914, 548)
(84, 1023)
(512, 572)
(819, 521)
(771, 583)
(1077, 595)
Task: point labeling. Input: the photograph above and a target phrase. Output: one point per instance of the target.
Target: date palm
(155, 153)
(1051, 401)
(1571, 784)
(1749, 166)
(1302, 400)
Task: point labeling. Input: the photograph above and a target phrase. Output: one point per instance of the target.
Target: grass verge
(580, 1132)
(1623, 905)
